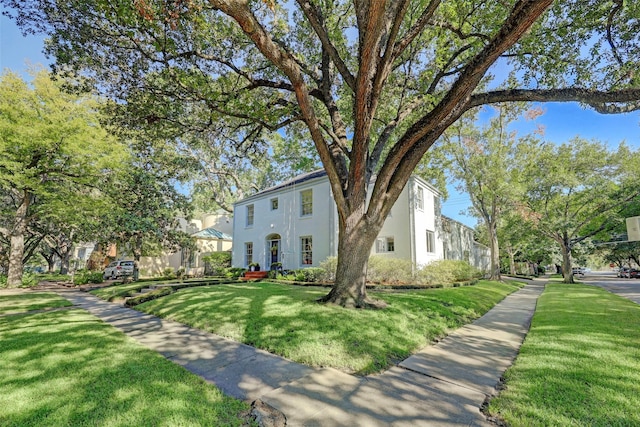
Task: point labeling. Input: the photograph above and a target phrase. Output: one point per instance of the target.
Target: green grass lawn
(580, 363)
(30, 301)
(286, 320)
(67, 368)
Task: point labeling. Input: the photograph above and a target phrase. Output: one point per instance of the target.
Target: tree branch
(314, 16)
(406, 154)
(239, 10)
(603, 102)
(417, 28)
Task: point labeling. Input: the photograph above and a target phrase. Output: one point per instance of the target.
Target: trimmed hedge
(158, 293)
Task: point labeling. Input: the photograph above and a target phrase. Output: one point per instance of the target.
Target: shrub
(310, 274)
(169, 273)
(384, 269)
(166, 290)
(329, 266)
(180, 272)
(3, 281)
(29, 280)
(217, 262)
(447, 272)
(234, 272)
(82, 277)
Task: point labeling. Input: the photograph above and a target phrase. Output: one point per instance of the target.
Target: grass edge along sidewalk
(66, 367)
(287, 321)
(579, 365)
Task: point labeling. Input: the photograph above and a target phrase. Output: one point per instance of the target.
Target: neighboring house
(296, 224)
(459, 244)
(212, 234)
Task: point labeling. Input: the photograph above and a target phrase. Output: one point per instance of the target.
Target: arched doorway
(273, 250)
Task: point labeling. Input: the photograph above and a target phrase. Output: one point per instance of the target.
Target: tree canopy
(373, 84)
(486, 163)
(578, 190)
(51, 146)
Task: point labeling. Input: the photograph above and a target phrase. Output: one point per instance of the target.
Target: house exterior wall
(409, 222)
(154, 265)
(481, 257)
(286, 224)
(425, 219)
(459, 244)
(406, 226)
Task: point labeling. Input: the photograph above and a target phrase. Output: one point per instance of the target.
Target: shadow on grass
(580, 364)
(69, 368)
(287, 321)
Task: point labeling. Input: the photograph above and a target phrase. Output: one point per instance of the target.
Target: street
(628, 288)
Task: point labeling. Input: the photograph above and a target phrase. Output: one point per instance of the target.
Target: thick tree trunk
(51, 264)
(137, 254)
(16, 251)
(512, 261)
(495, 253)
(64, 251)
(567, 271)
(349, 290)
(64, 264)
(50, 257)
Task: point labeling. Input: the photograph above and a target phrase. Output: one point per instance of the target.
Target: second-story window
(274, 204)
(306, 202)
(420, 198)
(250, 215)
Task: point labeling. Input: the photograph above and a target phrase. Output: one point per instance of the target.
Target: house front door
(274, 251)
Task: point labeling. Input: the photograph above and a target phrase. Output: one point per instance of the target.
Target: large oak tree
(372, 83)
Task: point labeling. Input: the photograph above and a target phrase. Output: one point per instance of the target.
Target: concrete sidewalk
(442, 385)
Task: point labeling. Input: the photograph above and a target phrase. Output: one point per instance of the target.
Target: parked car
(623, 272)
(634, 273)
(118, 269)
(579, 270)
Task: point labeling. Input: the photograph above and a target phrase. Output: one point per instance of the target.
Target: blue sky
(562, 121)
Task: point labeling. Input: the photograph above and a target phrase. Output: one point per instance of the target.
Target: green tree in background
(578, 190)
(372, 83)
(486, 165)
(50, 142)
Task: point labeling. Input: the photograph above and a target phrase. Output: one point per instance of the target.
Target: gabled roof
(211, 233)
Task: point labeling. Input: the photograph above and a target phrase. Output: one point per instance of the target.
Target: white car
(118, 269)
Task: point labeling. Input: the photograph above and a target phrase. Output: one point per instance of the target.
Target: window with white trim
(248, 253)
(306, 250)
(306, 202)
(420, 198)
(274, 204)
(250, 215)
(385, 244)
(431, 241)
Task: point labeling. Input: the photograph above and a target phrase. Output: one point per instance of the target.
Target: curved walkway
(443, 385)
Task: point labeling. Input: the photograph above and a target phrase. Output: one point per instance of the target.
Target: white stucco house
(296, 224)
